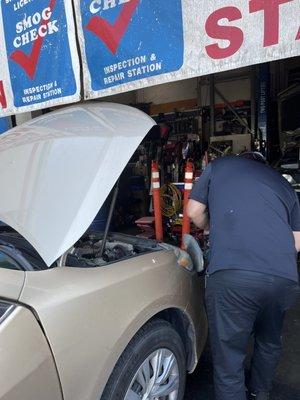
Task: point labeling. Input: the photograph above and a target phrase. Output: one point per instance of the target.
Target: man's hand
(197, 213)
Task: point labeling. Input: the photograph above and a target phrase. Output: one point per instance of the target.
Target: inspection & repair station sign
(125, 41)
(132, 44)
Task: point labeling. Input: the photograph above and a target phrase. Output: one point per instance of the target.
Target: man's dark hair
(254, 155)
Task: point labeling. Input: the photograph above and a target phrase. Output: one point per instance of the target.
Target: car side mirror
(192, 247)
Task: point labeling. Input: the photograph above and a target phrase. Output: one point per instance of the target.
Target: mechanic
(254, 219)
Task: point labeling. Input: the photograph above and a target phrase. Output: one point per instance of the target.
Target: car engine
(87, 251)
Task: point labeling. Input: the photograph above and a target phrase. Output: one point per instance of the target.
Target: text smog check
(42, 20)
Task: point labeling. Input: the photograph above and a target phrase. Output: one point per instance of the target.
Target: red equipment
(156, 202)
(188, 185)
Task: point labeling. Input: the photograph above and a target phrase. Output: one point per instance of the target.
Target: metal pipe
(253, 102)
(232, 110)
(212, 102)
(109, 218)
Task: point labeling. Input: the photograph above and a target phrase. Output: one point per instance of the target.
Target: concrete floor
(287, 382)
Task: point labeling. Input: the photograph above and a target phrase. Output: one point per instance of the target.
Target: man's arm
(297, 240)
(198, 214)
(197, 205)
(295, 222)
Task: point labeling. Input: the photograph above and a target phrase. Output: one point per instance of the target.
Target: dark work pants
(238, 304)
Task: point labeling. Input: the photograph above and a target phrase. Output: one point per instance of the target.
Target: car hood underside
(57, 170)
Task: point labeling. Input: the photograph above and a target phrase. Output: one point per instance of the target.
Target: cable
(171, 200)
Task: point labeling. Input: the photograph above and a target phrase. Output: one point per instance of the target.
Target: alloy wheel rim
(156, 379)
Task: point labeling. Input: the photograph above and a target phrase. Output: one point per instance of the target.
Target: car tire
(157, 346)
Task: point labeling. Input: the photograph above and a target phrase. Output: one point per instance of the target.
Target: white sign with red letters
(131, 44)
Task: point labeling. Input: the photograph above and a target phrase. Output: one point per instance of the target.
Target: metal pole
(242, 122)
(200, 113)
(263, 107)
(212, 102)
(199, 92)
(253, 102)
(110, 215)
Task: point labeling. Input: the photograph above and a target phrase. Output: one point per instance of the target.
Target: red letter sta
(232, 33)
(271, 14)
(3, 102)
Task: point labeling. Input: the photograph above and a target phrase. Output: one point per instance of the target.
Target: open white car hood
(57, 170)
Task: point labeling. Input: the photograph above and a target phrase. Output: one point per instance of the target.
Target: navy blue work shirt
(253, 212)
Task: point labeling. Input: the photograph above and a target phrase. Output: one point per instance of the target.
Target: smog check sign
(38, 51)
(128, 40)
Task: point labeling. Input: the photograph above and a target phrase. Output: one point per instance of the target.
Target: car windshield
(11, 238)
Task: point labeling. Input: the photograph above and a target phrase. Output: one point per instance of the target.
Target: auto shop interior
(254, 108)
(198, 120)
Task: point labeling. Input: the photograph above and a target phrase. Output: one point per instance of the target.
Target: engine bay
(87, 251)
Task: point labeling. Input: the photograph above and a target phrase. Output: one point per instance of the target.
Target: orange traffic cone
(156, 201)
(188, 185)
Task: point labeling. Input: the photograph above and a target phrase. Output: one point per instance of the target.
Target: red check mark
(29, 62)
(112, 34)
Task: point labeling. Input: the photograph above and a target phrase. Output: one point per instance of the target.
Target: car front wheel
(151, 368)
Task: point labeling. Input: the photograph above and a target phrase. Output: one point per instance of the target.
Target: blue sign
(38, 50)
(4, 124)
(128, 40)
